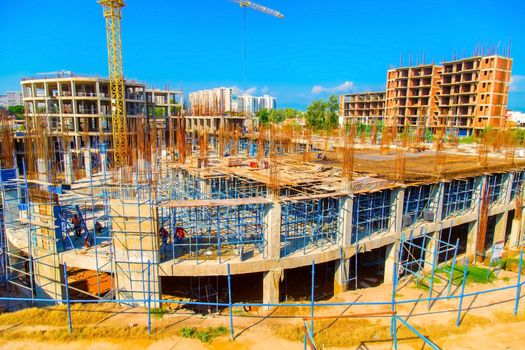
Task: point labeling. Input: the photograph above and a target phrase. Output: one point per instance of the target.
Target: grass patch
(352, 332)
(511, 264)
(158, 312)
(56, 316)
(475, 274)
(205, 335)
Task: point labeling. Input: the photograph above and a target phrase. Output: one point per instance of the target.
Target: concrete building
(467, 94)
(214, 102)
(80, 106)
(474, 92)
(225, 106)
(264, 237)
(14, 98)
(412, 94)
(363, 107)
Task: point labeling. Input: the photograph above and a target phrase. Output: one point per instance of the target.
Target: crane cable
(245, 47)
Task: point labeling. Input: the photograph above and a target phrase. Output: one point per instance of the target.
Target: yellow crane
(112, 10)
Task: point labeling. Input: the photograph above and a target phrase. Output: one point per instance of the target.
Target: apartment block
(212, 108)
(80, 106)
(213, 102)
(363, 107)
(466, 95)
(412, 94)
(474, 92)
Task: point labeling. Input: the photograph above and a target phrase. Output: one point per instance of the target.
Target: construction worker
(164, 235)
(75, 221)
(98, 228)
(87, 240)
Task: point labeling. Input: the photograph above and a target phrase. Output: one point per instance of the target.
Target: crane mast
(112, 13)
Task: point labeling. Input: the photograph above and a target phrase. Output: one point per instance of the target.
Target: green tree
(323, 114)
(17, 110)
(263, 116)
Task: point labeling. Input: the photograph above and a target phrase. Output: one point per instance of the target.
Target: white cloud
(265, 90)
(344, 87)
(517, 83)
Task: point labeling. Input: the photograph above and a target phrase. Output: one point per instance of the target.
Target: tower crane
(260, 8)
(112, 13)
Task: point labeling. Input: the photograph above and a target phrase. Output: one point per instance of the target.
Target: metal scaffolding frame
(309, 224)
(459, 197)
(371, 214)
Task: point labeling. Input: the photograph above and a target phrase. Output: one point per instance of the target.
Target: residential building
(14, 98)
(474, 92)
(466, 94)
(363, 107)
(411, 94)
(220, 106)
(80, 106)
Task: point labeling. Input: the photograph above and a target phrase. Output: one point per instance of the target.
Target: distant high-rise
(11, 98)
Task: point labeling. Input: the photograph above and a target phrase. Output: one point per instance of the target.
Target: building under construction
(464, 95)
(190, 207)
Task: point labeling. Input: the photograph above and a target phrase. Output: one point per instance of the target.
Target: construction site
(106, 201)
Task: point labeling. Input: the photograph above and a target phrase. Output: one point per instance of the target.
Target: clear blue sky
(318, 48)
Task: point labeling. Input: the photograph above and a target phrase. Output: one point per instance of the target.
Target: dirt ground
(487, 323)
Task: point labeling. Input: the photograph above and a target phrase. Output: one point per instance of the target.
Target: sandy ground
(255, 331)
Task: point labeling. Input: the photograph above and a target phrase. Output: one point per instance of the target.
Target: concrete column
(501, 226)
(396, 218)
(103, 158)
(509, 178)
(515, 233)
(472, 238)
(271, 280)
(273, 226)
(341, 274)
(135, 243)
(431, 248)
(69, 172)
(205, 187)
(438, 199)
(346, 204)
(42, 169)
(392, 251)
(87, 162)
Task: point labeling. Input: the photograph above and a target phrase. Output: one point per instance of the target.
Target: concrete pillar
(342, 265)
(431, 248)
(273, 226)
(392, 251)
(515, 233)
(41, 165)
(396, 218)
(438, 199)
(341, 274)
(508, 179)
(271, 280)
(205, 187)
(472, 238)
(87, 162)
(103, 158)
(135, 243)
(501, 227)
(69, 172)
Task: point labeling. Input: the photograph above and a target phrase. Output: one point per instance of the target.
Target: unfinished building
(80, 107)
(257, 205)
(463, 95)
